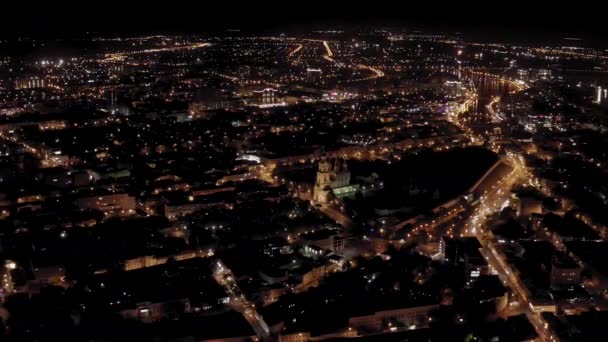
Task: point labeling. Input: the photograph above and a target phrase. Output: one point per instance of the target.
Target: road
(337, 215)
(494, 114)
(496, 261)
(375, 151)
(376, 73)
(329, 210)
(119, 56)
(329, 52)
(492, 202)
(517, 85)
(47, 157)
(296, 50)
(224, 276)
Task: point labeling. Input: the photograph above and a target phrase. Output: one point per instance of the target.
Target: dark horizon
(513, 18)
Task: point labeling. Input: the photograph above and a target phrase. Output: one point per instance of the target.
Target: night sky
(513, 18)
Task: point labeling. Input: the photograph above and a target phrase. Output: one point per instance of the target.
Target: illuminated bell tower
(322, 189)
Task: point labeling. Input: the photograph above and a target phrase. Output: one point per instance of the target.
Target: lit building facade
(331, 179)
